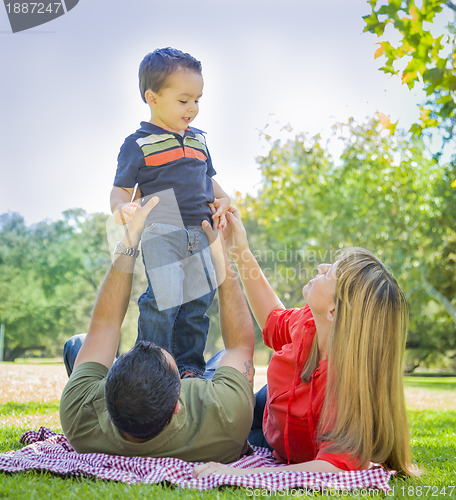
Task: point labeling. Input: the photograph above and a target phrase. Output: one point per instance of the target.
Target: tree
(289, 213)
(51, 273)
(398, 200)
(385, 194)
(429, 59)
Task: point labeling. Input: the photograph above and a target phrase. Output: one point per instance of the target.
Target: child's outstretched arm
(123, 203)
(220, 206)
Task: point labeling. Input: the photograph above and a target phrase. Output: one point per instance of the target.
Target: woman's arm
(262, 298)
(209, 468)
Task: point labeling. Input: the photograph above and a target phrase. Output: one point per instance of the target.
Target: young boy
(167, 158)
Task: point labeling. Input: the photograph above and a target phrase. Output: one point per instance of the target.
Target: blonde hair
(364, 410)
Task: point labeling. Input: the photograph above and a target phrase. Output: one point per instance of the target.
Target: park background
(327, 129)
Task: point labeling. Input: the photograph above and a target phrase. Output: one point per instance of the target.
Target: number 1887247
(33, 7)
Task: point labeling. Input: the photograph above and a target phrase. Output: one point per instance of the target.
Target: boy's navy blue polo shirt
(158, 160)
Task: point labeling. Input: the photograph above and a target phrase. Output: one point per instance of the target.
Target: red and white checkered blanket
(52, 452)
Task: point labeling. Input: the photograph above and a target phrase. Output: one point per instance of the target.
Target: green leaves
(373, 25)
(51, 272)
(384, 193)
(430, 59)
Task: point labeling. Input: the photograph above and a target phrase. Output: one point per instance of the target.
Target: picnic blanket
(52, 452)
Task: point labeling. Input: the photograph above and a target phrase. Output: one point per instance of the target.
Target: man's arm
(112, 301)
(235, 320)
(261, 296)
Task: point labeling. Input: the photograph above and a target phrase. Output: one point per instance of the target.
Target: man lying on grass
(138, 405)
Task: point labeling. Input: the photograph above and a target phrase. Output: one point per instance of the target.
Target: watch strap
(121, 249)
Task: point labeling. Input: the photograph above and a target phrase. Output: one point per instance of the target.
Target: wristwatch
(120, 248)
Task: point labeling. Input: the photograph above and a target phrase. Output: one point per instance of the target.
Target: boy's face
(175, 106)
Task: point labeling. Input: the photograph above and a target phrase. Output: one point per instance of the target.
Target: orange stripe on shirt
(165, 157)
(156, 159)
(194, 153)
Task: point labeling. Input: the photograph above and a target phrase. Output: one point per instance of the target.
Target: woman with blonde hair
(334, 400)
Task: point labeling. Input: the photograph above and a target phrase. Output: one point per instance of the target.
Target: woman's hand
(235, 235)
(210, 468)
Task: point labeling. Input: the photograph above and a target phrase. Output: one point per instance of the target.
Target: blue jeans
(181, 287)
(71, 349)
(256, 436)
(72, 346)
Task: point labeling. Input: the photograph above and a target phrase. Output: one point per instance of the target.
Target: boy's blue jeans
(181, 287)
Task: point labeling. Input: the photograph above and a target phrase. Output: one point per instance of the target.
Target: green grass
(433, 443)
(35, 361)
(34, 408)
(431, 383)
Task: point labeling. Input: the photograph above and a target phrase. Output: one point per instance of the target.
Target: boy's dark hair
(142, 390)
(159, 64)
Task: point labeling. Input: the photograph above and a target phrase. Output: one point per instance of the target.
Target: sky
(69, 89)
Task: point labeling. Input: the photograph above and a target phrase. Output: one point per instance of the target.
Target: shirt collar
(150, 128)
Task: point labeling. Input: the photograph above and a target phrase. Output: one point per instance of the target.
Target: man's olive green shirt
(212, 424)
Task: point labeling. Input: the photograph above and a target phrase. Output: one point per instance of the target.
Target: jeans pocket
(159, 229)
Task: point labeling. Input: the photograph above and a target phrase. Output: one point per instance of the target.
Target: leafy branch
(430, 60)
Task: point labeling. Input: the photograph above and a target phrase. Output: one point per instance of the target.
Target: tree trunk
(439, 297)
(19, 351)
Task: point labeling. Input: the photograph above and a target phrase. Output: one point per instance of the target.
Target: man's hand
(218, 251)
(136, 225)
(124, 202)
(108, 314)
(124, 212)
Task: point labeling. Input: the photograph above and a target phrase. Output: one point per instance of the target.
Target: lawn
(431, 408)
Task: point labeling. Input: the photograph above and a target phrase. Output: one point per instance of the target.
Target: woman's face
(320, 292)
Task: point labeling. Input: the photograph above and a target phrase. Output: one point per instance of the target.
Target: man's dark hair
(142, 390)
(159, 64)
